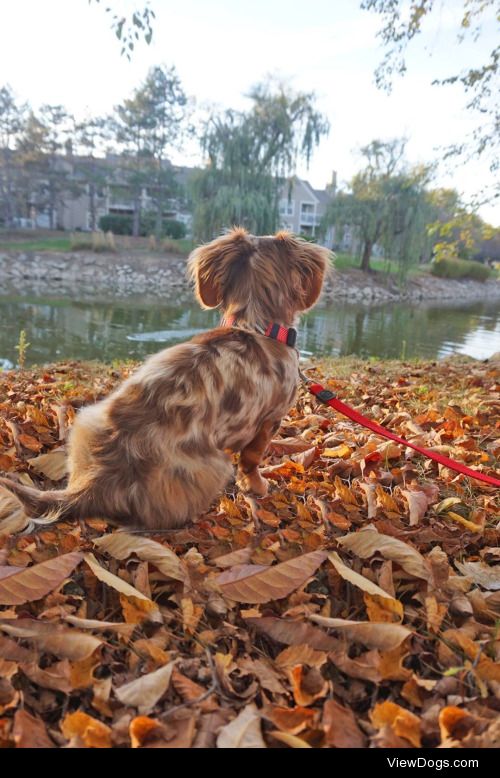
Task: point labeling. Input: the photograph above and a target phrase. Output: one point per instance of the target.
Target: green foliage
(118, 223)
(250, 154)
(174, 229)
(385, 204)
(459, 268)
(404, 21)
(129, 29)
(122, 224)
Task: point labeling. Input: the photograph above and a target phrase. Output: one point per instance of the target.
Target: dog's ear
(211, 265)
(309, 263)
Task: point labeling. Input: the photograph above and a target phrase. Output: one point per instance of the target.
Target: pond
(59, 329)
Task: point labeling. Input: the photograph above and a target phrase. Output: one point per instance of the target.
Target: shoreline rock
(125, 275)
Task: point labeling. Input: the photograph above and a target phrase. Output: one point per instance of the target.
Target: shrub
(117, 223)
(460, 268)
(174, 229)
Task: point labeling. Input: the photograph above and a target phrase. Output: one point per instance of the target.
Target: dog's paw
(253, 483)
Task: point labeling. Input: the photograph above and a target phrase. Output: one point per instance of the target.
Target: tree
(249, 156)
(456, 232)
(404, 20)
(385, 204)
(90, 135)
(12, 117)
(146, 126)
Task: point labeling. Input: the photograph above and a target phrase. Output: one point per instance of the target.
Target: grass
(72, 242)
(37, 244)
(379, 264)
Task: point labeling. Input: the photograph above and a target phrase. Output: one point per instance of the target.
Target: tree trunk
(92, 209)
(159, 220)
(367, 253)
(135, 221)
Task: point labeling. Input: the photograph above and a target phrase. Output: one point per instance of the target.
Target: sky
(64, 52)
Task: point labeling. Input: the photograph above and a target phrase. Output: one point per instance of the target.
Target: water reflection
(117, 329)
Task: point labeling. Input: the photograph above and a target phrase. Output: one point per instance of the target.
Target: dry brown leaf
(308, 685)
(140, 607)
(54, 465)
(240, 557)
(291, 720)
(121, 545)
(243, 732)
(403, 723)
(368, 541)
(57, 676)
(33, 583)
(355, 578)
(290, 740)
(383, 608)
(193, 692)
(486, 576)
(255, 583)
(144, 692)
(383, 636)
(418, 502)
(30, 732)
(86, 730)
(66, 643)
(293, 632)
(341, 728)
(300, 655)
(142, 729)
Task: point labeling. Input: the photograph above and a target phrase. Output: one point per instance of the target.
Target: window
(286, 207)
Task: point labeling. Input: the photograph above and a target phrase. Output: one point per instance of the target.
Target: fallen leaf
(383, 636)
(144, 692)
(141, 608)
(30, 732)
(66, 643)
(87, 730)
(256, 583)
(486, 576)
(33, 583)
(54, 465)
(290, 740)
(243, 732)
(340, 726)
(403, 723)
(355, 578)
(369, 541)
(121, 545)
(293, 632)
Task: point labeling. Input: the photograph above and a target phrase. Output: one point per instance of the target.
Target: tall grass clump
(95, 241)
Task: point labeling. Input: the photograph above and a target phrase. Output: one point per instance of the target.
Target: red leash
(328, 398)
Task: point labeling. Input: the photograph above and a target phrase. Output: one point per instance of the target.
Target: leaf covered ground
(357, 605)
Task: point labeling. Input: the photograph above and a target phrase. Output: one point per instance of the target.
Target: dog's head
(261, 279)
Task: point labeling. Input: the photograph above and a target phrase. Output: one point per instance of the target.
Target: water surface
(59, 329)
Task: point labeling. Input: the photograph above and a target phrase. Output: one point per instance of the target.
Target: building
(302, 208)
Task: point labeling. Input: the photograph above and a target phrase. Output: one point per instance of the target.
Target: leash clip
(325, 395)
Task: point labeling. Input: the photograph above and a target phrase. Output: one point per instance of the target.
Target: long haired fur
(154, 454)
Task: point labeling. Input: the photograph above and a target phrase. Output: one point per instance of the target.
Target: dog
(156, 452)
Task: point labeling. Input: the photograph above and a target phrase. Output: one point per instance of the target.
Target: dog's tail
(44, 507)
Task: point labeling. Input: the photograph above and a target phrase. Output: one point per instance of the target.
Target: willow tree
(385, 204)
(249, 156)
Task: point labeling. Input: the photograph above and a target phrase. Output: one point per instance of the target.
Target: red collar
(287, 335)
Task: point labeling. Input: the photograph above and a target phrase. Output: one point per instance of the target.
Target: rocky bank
(123, 275)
